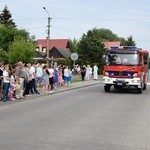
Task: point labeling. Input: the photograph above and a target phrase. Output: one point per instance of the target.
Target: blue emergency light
(130, 47)
(125, 48)
(134, 48)
(114, 47)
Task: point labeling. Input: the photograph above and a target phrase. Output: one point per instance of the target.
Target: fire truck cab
(126, 67)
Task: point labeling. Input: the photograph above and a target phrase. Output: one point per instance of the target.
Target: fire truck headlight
(135, 81)
(106, 80)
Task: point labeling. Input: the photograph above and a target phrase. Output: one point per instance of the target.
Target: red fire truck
(126, 67)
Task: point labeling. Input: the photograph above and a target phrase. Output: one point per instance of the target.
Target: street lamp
(48, 36)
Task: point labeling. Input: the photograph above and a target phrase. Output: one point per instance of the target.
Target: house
(41, 44)
(59, 53)
(39, 55)
(58, 48)
(109, 44)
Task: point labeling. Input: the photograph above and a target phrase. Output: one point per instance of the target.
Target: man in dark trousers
(83, 71)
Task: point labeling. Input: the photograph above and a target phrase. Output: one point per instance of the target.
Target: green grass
(76, 78)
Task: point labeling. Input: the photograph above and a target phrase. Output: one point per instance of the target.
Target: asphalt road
(81, 119)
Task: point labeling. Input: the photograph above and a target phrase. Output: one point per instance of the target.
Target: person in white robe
(95, 72)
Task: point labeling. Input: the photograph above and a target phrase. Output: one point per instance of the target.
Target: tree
(8, 30)
(73, 45)
(108, 35)
(21, 49)
(7, 35)
(3, 55)
(129, 41)
(6, 18)
(91, 49)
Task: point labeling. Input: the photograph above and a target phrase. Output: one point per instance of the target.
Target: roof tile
(60, 43)
(109, 44)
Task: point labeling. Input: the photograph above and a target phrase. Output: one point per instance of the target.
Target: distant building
(60, 53)
(109, 44)
(41, 44)
(39, 55)
(58, 48)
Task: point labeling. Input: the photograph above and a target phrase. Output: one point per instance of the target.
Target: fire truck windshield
(122, 58)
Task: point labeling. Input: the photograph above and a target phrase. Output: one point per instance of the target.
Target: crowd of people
(86, 72)
(21, 80)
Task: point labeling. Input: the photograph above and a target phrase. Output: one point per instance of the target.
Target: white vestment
(95, 73)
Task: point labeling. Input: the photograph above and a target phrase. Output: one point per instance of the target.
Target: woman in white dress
(87, 73)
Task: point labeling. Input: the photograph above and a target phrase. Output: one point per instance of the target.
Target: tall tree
(73, 45)
(130, 42)
(127, 42)
(91, 48)
(7, 35)
(6, 17)
(108, 35)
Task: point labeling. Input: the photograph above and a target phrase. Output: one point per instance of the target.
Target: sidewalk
(77, 83)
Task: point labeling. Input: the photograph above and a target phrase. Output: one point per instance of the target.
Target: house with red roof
(58, 48)
(109, 44)
(41, 44)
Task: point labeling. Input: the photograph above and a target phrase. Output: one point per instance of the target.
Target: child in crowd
(12, 87)
(60, 78)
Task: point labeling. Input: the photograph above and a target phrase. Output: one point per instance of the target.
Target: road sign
(74, 56)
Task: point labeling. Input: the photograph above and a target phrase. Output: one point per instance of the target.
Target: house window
(44, 49)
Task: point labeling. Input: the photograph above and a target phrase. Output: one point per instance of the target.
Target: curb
(78, 87)
(67, 89)
(73, 86)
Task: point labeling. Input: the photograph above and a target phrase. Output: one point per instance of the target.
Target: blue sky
(70, 19)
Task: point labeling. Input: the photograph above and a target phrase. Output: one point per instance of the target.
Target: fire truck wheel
(107, 88)
(139, 90)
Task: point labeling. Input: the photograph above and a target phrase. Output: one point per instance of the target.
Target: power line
(36, 27)
(105, 19)
(88, 19)
(31, 19)
(76, 28)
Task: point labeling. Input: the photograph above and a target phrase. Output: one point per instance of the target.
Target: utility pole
(48, 36)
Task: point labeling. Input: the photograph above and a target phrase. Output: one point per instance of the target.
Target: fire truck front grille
(121, 74)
